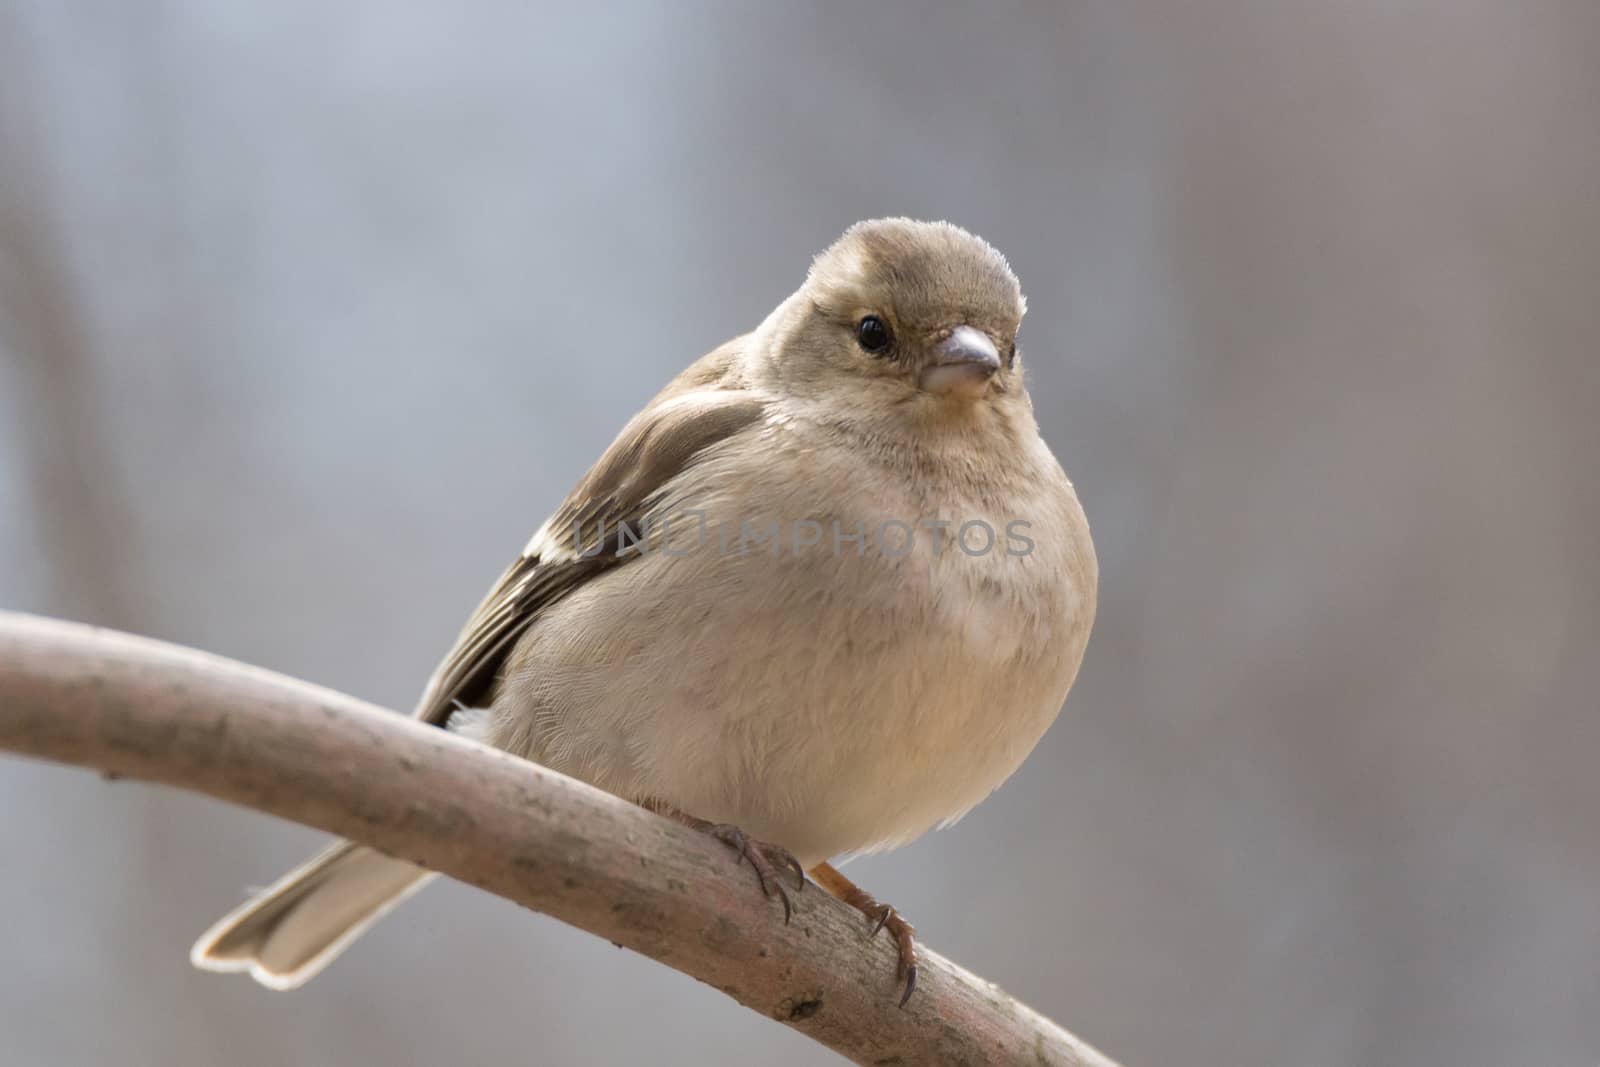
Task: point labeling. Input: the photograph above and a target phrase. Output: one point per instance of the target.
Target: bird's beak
(962, 363)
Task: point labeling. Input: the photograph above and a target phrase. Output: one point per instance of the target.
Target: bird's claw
(905, 939)
(767, 859)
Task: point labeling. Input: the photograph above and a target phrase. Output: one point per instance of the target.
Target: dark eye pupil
(873, 334)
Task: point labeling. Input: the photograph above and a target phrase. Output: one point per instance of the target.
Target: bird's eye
(872, 333)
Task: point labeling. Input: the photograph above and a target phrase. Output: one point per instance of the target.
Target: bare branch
(143, 709)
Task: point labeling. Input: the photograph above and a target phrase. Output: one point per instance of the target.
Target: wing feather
(655, 447)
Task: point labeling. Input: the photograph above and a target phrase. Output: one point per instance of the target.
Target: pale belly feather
(825, 699)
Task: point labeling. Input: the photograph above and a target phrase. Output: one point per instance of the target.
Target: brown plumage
(821, 696)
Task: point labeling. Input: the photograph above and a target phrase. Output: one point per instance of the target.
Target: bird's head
(897, 313)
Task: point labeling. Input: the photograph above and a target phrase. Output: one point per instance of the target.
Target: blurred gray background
(311, 312)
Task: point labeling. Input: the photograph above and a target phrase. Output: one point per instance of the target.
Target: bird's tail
(290, 931)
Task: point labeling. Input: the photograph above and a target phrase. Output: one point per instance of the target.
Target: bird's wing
(580, 540)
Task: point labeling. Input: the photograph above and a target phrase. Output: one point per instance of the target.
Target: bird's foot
(770, 861)
(882, 917)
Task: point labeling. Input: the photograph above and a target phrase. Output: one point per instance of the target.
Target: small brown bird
(824, 593)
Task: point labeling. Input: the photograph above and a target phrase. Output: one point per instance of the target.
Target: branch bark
(138, 708)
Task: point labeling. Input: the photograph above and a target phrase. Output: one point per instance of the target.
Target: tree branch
(138, 708)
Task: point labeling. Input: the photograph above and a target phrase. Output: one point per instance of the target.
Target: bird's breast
(833, 662)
